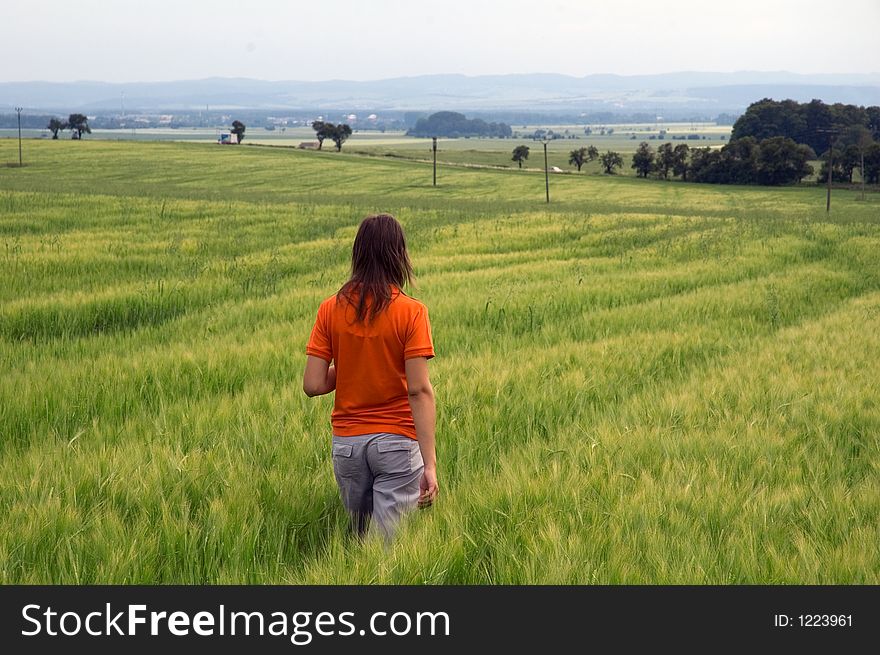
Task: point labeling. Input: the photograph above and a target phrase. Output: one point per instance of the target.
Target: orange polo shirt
(371, 389)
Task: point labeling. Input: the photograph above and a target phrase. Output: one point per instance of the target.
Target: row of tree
(668, 158)
(577, 157)
(610, 160)
(773, 161)
(338, 134)
(78, 124)
(779, 160)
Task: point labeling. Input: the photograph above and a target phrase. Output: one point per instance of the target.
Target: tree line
(773, 161)
(451, 124)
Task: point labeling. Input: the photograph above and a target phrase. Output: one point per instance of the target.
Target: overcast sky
(152, 40)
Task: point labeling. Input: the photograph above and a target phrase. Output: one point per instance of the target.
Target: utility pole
(546, 171)
(830, 171)
(434, 148)
(18, 111)
(831, 132)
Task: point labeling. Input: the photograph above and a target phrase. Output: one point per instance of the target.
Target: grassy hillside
(644, 382)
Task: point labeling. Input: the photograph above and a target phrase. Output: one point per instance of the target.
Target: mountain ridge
(536, 91)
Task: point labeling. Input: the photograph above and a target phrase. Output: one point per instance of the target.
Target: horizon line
(451, 74)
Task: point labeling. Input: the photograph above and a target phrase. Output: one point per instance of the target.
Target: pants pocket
(344, 465)
(396, 457)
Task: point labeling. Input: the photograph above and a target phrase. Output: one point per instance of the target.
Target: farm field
(491, 152)
(642, 382)
(497, 152)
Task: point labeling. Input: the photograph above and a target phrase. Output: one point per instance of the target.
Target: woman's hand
(428, 487)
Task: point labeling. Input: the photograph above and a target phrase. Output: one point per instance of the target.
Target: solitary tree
(611, 160)
(577, 156)
(340, 135)
(520, 154)
(55, 126)
(643, 159)
(78, 124)
(238, 129)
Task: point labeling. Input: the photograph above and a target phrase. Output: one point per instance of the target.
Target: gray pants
(378, 476)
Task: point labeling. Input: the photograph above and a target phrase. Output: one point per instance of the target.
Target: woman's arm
(319, 377)
(421, 401)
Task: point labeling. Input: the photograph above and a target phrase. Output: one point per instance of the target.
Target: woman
(371, 344)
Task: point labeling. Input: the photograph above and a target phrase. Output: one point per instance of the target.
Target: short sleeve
(320, 344)
(418, 337)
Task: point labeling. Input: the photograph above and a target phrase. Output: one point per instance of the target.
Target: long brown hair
(378, 259)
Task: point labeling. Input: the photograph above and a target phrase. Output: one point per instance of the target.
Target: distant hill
(452, 124)
(708, 93)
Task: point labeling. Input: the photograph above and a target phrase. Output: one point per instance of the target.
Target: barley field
(642, 382)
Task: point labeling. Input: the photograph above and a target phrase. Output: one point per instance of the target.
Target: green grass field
(643, 382)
